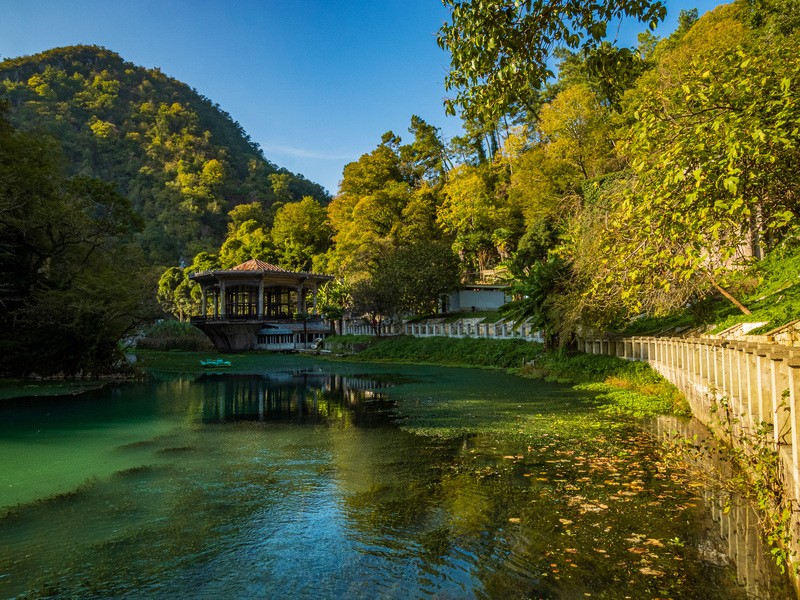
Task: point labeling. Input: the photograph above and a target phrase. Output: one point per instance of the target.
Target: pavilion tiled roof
(257, 265)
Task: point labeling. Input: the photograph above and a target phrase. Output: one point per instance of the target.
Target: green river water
(290, 477)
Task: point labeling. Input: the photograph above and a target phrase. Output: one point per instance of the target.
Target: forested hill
(183, 162)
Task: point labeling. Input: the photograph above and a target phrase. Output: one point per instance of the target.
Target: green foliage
(299, 233)
(349, 343)
(536, 298)
(73, 282)
(250, 240)
(775, 300)
(175, 293)
(408, 279)
(500, 50)
(707, 189)
(173, 335)
(179, 158)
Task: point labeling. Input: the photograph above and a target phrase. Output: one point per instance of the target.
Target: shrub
(173, 335)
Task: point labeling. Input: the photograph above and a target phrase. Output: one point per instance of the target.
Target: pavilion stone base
(237, 336)
(230, 336)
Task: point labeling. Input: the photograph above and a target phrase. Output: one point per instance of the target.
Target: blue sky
(316, 83)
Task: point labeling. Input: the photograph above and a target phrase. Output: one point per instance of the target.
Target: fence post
(793, 364)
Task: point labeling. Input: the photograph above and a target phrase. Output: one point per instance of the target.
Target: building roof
(258, 265)
(257, 268)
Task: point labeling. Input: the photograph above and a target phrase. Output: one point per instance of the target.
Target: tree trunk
(728, 295)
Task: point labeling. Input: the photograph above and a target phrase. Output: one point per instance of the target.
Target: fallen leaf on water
(571, 550)
(565, 521)
(514, 520)
(636, 550)
(653, 572)
(652, 542)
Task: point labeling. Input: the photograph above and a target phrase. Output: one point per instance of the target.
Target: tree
(499, 51)
(175, 293)
(252, 211)
(410, 279)
(538, 298)
(427, 271)
(577, 129)
(368, 212)
(425, 158)
(300, 232)
(250, 240)
(711, 152)
(470, 213)
(334, 297)
(73, 278)
(376, 299)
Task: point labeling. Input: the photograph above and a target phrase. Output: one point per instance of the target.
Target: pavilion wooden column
(301, 301)
(202, 301)
(261, 298)
(314, 299)
(223, 312)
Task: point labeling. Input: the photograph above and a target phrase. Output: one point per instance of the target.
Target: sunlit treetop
(500, 49)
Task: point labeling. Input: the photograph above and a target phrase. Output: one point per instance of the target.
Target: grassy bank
(771, 290)
(457, 352)
(626, 387)
(622, 387)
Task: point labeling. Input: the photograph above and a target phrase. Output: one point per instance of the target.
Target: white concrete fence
(500, 330)
(753, 389)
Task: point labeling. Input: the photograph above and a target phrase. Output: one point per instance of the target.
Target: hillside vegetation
(181, 160)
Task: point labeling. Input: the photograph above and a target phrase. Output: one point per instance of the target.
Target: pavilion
(258, 306)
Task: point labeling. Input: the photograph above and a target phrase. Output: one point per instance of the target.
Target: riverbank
(622, 387)
(24, 388)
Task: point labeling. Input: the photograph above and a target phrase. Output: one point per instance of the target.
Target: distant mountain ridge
(181, 160)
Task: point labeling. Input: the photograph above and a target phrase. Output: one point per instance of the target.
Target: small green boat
(215, 363)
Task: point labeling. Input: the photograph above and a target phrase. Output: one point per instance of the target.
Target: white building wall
(464, 300)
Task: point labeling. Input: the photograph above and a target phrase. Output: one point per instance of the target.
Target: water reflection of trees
(296, 397)
(468, 520)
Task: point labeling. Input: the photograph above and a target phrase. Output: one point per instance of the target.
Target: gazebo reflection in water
(296, 397)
